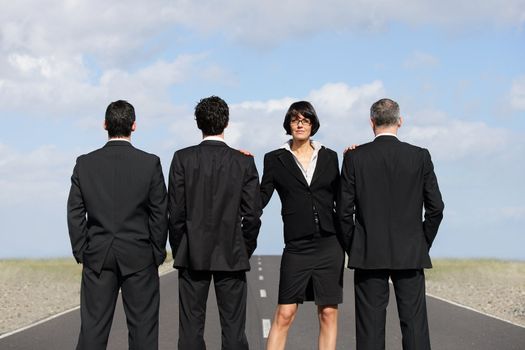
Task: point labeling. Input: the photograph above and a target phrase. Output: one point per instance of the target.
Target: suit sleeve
(76, 217)
(176, 204)
(267, 185)
(251, 209)
(158, 209)
(432, 201)
(346, 201)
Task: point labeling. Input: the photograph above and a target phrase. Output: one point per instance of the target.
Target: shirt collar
(213, 138)
(119, 139)
(386, 134)
(315, 144)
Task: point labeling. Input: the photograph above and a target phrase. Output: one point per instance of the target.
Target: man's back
(122, 191)
(393, 181)
(214, 192)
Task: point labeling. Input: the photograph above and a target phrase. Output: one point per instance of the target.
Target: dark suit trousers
(98, 296)
(371, 300)
(230, 289)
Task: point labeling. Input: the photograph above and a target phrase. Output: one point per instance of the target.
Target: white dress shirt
(309, 172)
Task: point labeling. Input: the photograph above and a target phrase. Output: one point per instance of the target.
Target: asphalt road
(451, 327)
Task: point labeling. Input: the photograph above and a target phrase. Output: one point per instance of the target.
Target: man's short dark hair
(120, 116)
(385, 112)
(305, 109)
(212, 115)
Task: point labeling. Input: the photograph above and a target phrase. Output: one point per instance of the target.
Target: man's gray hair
(385, 112)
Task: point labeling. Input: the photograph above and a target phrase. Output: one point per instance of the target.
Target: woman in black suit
(306, 177)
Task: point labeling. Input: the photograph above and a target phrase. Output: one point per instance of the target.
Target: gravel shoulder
(32, 290)
(494, 287)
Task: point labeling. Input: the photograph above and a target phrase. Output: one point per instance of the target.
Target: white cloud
(60, 86)
(40, 174)
(270, 22)
(117, 31)
(344, 115)
(110, 31)
(453, 139)
(517, 94)
(342, 101)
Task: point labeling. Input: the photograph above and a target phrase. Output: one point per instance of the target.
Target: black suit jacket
(118, 199)
(298, 200)
(386, 184)
(214, 206)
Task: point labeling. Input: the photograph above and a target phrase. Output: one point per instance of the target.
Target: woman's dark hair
(305, 109)
(212, 115)
(120, 116)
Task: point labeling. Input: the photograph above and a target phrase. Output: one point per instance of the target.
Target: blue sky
(455, 67)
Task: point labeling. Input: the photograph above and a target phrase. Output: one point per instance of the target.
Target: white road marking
(260, 268)
(261, 277)
(471, 309)
(39, 322)
(260, 263)
(263, 293)
(266, 325)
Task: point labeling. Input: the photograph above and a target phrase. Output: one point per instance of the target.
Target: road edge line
(472, 309)
(49, 318)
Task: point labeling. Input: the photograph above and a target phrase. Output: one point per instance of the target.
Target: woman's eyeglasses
(304, 121)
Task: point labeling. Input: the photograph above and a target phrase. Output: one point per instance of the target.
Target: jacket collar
(321, 166)
(286, 157)
(214, 143)
(118, 143)
(386, 138)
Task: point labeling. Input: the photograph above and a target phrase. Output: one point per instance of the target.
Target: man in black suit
(117, 219)
(386, 184)
(214, 206)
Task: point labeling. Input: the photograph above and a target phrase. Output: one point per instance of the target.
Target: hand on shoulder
(350, 148)
(246, 153)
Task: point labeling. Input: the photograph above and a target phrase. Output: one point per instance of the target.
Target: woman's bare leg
(282, 320)
(327, 326)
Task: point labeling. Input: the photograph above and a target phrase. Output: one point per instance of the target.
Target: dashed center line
(260, 268)
(261, 277)
(266, 324)
(263, 293)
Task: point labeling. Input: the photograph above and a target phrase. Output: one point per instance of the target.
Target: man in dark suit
(386, 184)
(117, 219)
(214, 206)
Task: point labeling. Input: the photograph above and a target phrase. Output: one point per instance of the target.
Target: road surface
(451, 327)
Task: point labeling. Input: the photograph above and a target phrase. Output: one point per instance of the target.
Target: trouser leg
(193, 295)
(98, 296)
(231, 292)
(371, 299)
(409, 286)
(140, 296)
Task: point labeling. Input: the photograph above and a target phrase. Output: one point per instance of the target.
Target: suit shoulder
(415, 148)
(275, 153)
(361, 149)
(90, 155)
(409, 145)
(241, 156)
(185, 151)
(146, 154)
(330, 152)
